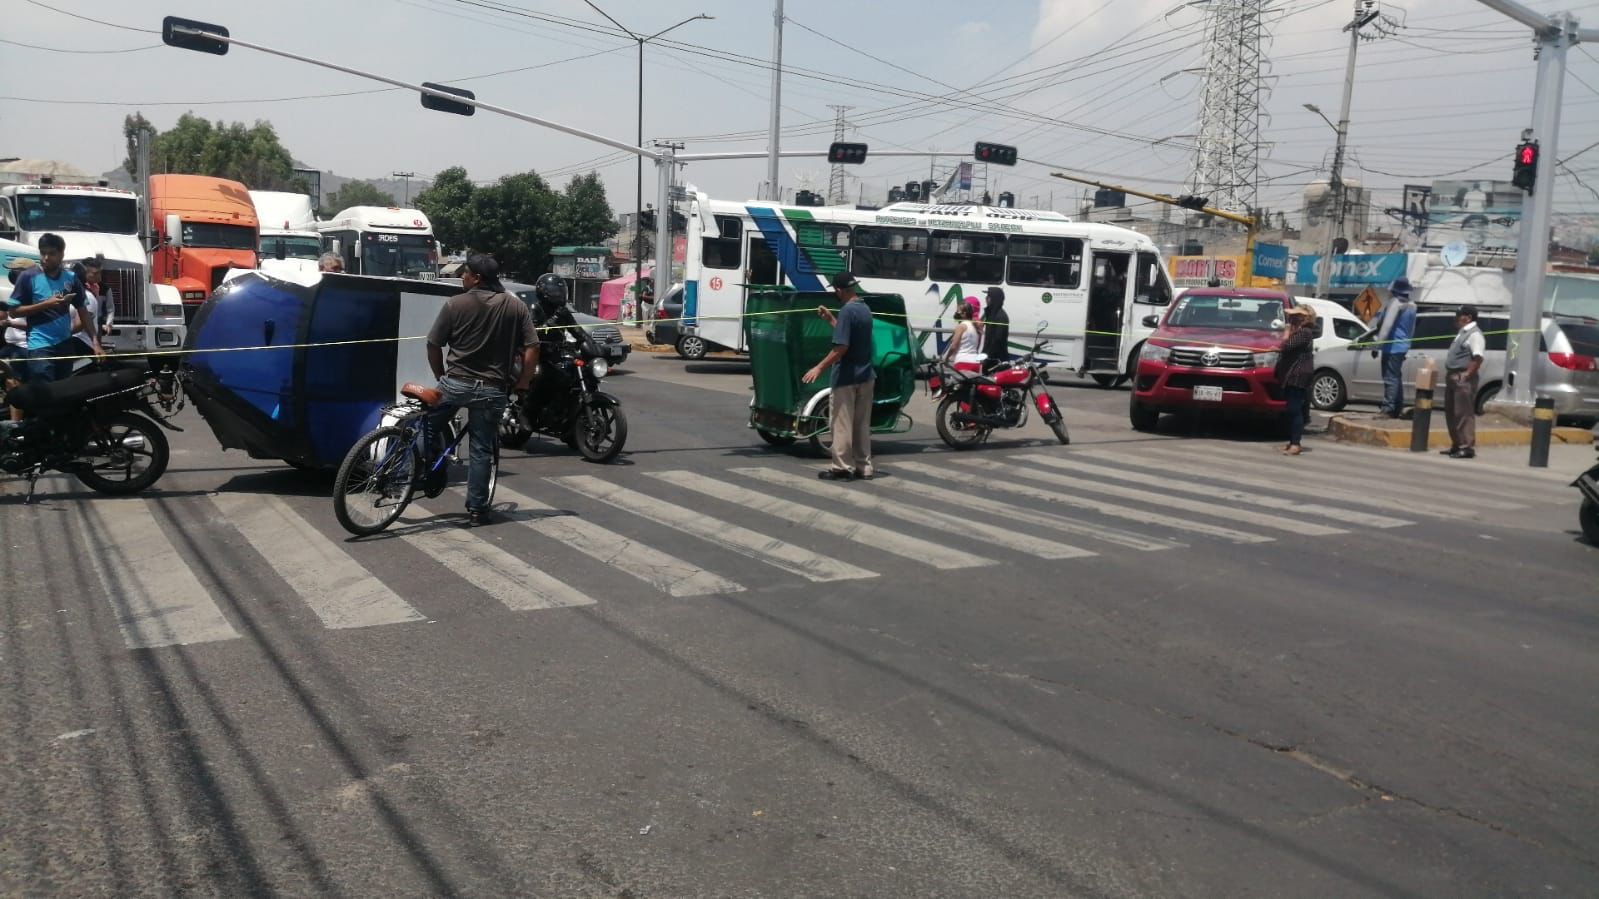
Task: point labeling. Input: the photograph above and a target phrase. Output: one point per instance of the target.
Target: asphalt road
(1192, 668)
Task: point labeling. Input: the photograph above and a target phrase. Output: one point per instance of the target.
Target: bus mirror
(1151, 321)
(174, 226)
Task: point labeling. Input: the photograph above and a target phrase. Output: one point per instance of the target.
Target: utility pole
(666, 173)
(835, 184)
(773, 193)
(1365, 12)
(406, 177)
(1554, 34)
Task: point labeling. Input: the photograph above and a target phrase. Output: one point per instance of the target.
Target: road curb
(1397, 435)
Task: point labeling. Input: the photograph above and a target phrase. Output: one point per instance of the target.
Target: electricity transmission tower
(835, 185)
(1227, 160)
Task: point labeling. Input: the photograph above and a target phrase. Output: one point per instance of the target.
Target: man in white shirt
(1460, 384)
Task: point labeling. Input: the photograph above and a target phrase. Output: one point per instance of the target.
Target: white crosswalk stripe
(965, 526)
(153, 592)
(1000, 479)
(1501, 481)
(1171, 481)
(1166, 501)
(516, 584)
(770, 550)
(1376, 494)
(802, 515)
(664, 572)
(338, 589)
(964, 496)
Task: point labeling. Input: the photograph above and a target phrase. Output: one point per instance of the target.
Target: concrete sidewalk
(1372, 429)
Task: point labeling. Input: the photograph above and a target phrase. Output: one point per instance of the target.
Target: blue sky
(1449, 92)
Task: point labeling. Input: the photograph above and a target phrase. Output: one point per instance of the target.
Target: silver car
(1567, 368)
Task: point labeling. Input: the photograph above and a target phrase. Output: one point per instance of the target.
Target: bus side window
(1046, 261)
(895, 253)
(1152, 288)
(964, 257)
(725, 249)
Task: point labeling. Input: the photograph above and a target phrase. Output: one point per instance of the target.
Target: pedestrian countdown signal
(1525, 174)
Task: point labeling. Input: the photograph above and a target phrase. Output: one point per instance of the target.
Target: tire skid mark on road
(777, 553)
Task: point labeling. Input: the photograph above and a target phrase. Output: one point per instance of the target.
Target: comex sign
(1379, 268)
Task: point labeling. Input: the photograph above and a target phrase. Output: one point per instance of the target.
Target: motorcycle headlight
(1266, 360)
(1154, 352)
(600, 367)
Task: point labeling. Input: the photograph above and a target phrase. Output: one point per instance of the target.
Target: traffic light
(188, 34)
(1197, 204)
(1526, 171)
(439, 104)
(998, 154)
(846, 154)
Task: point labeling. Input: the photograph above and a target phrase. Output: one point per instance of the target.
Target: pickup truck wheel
(1328, 392)
(1143, 417)
(1106, 381)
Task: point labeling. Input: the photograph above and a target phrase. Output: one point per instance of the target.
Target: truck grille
(1207, 357)
(125, 282)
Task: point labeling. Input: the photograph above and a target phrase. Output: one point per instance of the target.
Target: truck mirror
(1151, 321)
(174, 229)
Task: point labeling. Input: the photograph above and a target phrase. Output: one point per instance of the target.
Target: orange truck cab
(205, 226)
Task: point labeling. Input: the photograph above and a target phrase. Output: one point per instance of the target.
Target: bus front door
(762, 269)
(1107, 297)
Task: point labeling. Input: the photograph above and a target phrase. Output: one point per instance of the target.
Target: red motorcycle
(973, 404)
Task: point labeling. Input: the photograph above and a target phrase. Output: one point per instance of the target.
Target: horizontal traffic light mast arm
(432, 92)
(753, 154)
(1159, 198)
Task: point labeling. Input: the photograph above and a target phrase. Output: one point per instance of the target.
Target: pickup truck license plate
(1207, 394)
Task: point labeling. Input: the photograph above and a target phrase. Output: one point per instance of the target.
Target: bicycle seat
(427, 396)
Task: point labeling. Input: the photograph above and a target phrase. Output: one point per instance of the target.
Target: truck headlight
(1266, 360)
(1154, 352)
(600, 367)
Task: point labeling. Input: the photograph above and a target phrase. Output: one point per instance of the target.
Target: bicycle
(383, 470)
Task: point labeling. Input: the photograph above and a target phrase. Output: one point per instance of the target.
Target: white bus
(382, 240)
(1089, 285)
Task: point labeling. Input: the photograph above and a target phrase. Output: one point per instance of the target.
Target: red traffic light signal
(998, 154)
(1525, 173)
(846, 154)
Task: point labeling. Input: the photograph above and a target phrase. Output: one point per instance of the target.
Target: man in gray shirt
(854, 382)
(1460, 384)
(484, 328)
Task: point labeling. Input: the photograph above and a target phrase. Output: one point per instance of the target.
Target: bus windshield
(293, 247)
(77, 212)
(396, 254)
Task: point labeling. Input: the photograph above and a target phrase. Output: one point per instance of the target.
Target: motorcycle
(1588, 515)
(566, 402)
(98, 425)
(973, 405)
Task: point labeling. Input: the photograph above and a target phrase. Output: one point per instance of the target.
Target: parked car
(1215, 348)
(1354, 374)
(1568, 366)
(665, 328)
(606, 334)
(1336, 326)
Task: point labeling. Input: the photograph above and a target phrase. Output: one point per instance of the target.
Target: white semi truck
(290, 241)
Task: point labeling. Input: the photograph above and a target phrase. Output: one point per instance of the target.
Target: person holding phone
(45, 297)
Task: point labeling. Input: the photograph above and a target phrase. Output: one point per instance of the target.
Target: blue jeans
(1393, 382)
(485, 403)
(1297, 413)
(43, 367)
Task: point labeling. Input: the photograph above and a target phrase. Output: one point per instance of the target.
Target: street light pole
(772, 149)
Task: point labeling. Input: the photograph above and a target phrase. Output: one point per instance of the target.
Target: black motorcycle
(1588, 515)
(566, 402)
(87, 426)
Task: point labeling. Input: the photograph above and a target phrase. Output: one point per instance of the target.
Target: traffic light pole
(1246, 277)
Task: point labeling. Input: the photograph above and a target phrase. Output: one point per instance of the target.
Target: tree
(585, 217)
(131, 126)
(446, 202)
(252, 155)
(358, 193)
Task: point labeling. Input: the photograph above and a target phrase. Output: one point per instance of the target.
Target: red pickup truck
(1216, 348)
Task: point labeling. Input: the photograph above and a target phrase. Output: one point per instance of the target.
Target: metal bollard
(1543, 425)
(1421, 420)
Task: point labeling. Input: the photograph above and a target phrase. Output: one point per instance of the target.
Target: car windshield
(77, 212)
(1210, 311)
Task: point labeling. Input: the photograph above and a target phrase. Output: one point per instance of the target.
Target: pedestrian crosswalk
(690, 534)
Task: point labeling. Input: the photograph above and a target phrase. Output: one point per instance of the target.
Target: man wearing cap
(1460, 379)
(853, 382)
(996, 330)
(1393, 339)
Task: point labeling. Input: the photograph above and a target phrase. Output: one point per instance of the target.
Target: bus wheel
(1107, 381)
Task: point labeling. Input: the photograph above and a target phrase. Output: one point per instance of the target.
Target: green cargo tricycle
(786, 337)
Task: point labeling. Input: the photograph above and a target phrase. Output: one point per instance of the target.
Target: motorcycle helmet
(551, 291)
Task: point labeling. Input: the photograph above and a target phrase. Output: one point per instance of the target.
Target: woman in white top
(966, 344)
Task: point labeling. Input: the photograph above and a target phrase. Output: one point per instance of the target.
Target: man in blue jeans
(485, 329)
(1393, 340)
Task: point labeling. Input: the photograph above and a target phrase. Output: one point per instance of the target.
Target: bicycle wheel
(376, 480)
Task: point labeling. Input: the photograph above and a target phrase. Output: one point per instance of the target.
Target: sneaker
(476, 518)
(835, 474)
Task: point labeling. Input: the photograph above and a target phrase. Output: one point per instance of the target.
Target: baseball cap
(845, 280)
(1401, 287)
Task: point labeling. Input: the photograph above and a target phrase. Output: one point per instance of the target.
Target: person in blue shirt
(854, 381)
(44, 297)
(1393, 339)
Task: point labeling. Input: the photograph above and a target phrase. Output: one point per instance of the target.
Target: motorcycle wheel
(1588, 515)
(513, 433)
(1058, 425)
(599, 432)
(958, 436)
(137, 457)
